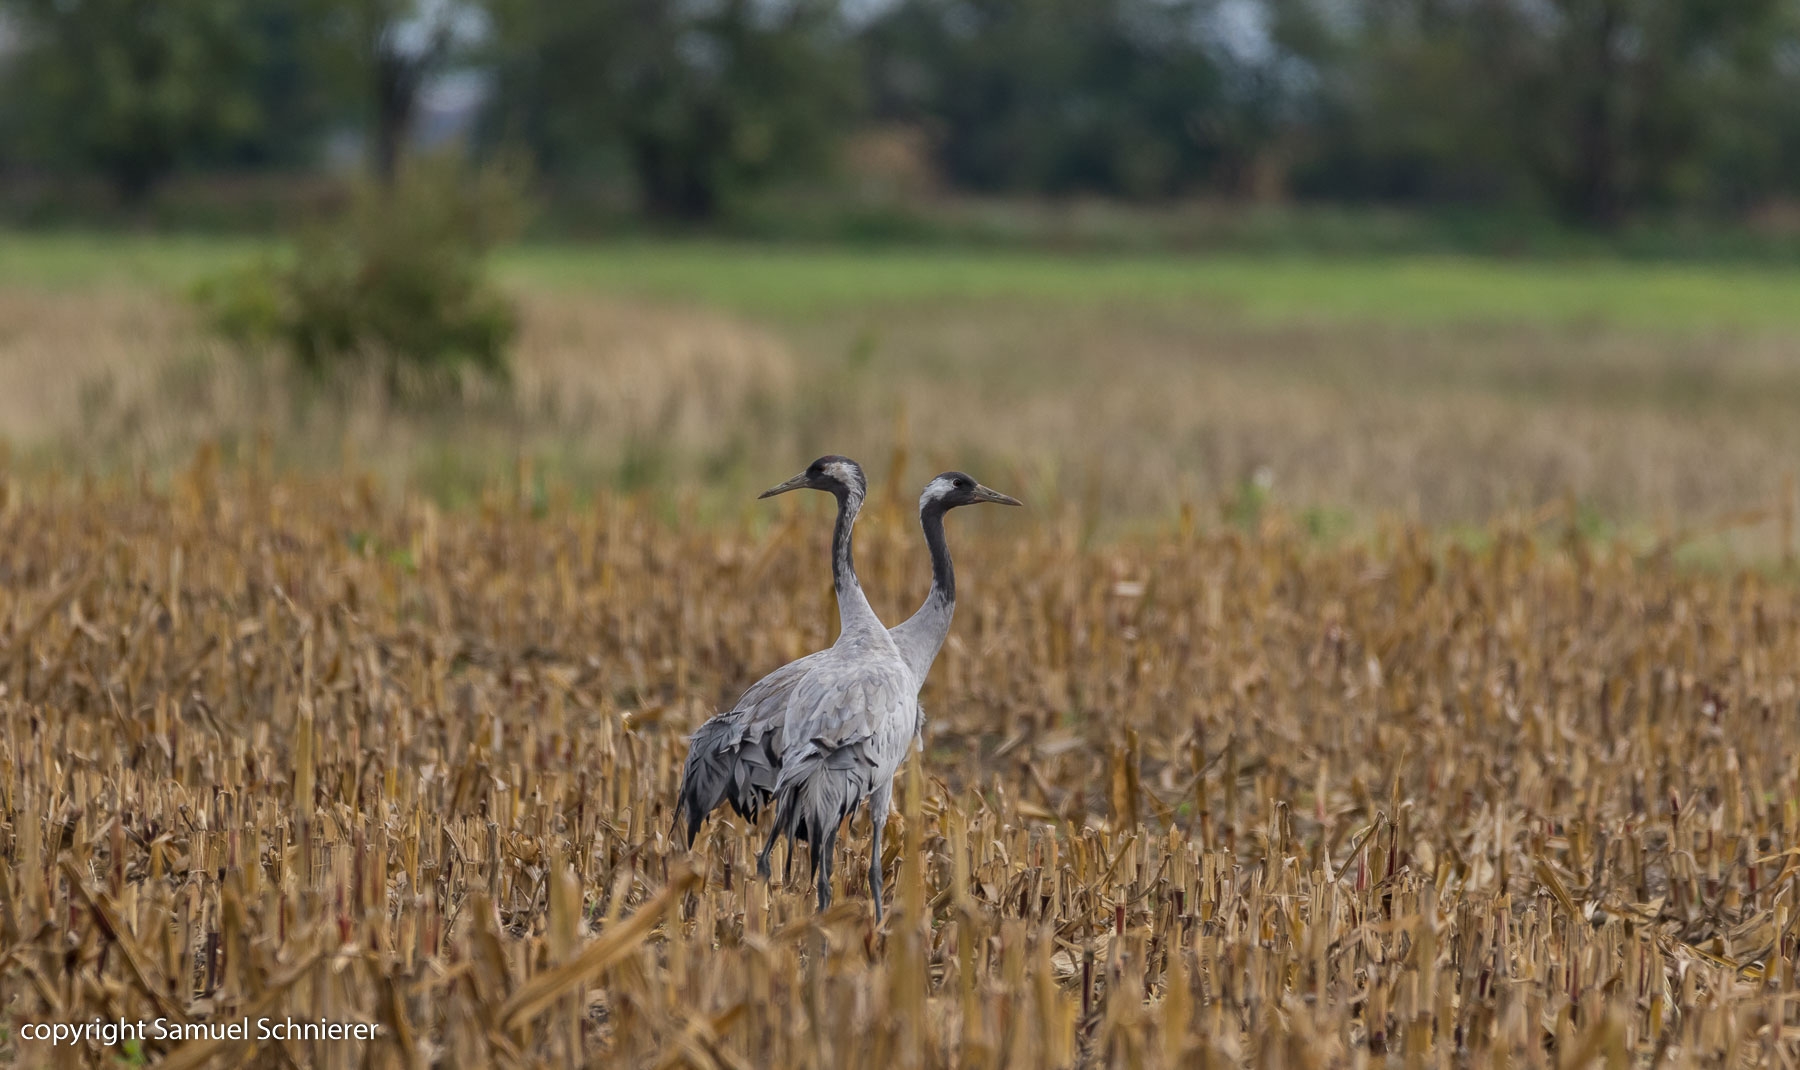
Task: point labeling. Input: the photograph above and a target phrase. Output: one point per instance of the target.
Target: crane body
(829, 731)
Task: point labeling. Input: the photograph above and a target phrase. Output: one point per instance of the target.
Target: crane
(840, 753)
(736, 755)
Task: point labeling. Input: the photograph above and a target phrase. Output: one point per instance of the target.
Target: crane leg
(826, 845)
(875, 872)
(878, 813)
(762, 856)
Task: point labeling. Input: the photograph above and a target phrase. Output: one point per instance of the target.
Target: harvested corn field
(1209, 796)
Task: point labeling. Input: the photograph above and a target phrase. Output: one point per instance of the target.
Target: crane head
(952, 489)
(833, 473)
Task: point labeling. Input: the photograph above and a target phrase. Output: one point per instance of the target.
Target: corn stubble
(279, 748)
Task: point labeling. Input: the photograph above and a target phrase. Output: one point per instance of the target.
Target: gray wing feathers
(709, 776)
(766, 699)
(848, 729)
(834, 706)
(735, 755)
(825, 730)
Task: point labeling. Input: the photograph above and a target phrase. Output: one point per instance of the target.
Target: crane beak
(988, 494)
(782, 488)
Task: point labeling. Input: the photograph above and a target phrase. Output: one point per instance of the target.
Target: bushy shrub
(396, 288)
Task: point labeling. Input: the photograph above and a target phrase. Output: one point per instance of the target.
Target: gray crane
(737, 755)
(839, 754)
(734, 757)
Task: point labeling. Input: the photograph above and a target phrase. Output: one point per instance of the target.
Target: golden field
(1204, 796)
(1396, 666)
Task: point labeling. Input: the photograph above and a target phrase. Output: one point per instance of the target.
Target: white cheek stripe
(844, 474)
(935, 489)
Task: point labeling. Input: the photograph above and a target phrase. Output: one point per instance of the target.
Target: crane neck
(943, 573)
(854, 612)
(922, 635)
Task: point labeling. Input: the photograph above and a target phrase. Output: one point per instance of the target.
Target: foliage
(137, 91)
(1591, 112)
(133, 90)
(1114, 96)
(1598, 109)
(701, 102)
(380, 55)
(397, 287)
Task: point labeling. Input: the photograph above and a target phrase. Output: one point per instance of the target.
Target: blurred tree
(702, 100)
(295, 102)
(1595, 108)
(1132, 97)
(382, 54)
(133, 89)
(1619, 103)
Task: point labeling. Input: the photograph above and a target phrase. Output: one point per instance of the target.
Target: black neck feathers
(943, 576)
(843, 566)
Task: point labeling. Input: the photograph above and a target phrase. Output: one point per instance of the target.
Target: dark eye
(962, 484)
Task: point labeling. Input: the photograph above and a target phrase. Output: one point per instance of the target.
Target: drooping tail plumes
(815, 792)
(722, 766)
(704, 778)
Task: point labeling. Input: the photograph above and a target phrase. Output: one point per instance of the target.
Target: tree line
(1597, 111)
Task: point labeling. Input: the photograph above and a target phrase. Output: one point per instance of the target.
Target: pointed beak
(782, 488)
(988, 494)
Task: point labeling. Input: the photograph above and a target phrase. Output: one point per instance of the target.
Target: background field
(1649, 398)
